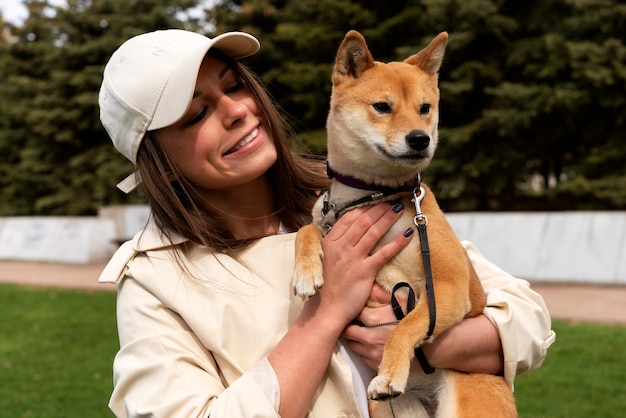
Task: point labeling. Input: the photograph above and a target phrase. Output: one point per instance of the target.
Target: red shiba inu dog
(382, 133)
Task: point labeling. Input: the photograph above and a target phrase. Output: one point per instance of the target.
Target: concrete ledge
(129, 219)
(56, 239)
(559, 247)
(583, 247)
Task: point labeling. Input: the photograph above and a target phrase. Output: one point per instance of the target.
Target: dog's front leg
(393, 372)
(308, 274)
(451, 305)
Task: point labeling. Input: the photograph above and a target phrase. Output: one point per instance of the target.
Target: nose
(418, 140)
(233, 111)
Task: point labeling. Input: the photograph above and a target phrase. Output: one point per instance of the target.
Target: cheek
(184, 149)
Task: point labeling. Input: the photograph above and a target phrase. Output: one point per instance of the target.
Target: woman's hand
(350, 262)
(472, 345)
(367, 335)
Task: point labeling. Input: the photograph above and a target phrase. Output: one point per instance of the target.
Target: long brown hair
(295, 179)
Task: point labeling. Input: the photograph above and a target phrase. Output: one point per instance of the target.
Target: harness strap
(338, 212)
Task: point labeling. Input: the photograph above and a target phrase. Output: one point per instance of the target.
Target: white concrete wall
(56, 239)
(552, 246)
(128, 219)
(587, 247)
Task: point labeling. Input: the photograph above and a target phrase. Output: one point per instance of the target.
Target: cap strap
(129, 183)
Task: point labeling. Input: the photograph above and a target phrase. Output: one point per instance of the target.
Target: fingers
(352, 258)
(377, 316)
(380, 295)
(368, 220)
(362, 228)
(371, 359)
(369, 343)
(389, 250)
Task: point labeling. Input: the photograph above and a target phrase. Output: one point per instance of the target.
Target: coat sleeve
(163, 370)
(518, 312)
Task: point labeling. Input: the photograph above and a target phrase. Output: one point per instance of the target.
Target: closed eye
(196, 118)
(382, 107)
(235, 87)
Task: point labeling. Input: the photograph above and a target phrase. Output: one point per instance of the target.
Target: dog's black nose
(418, 140)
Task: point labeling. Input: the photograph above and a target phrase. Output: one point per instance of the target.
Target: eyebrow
(220, 75)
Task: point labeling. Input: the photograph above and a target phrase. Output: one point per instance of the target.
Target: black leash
(420, 221)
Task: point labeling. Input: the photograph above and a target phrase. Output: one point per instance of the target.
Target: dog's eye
(382, 107)
(425, 109)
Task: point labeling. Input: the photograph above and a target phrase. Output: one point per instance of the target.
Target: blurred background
(533, 112)
(531, 167)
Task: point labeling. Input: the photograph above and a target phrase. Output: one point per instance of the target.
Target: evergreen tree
(57, 158)
(557, 113)
(532, 93)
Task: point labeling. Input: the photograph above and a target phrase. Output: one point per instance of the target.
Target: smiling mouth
(244, 141)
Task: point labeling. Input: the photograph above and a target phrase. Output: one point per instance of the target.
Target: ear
(430, 58)
(353, 57)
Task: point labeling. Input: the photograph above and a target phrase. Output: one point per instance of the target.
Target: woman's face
(219, 143)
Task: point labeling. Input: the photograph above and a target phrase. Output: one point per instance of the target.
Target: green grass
(584, 375)
(56, 352)
(57, 348)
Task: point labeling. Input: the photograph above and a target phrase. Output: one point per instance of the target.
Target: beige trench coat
(197, 346)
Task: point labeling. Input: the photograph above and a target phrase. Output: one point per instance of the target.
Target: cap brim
(236, 45)
(176, 96)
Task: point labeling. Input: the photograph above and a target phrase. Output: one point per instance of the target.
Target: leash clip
(419, 218)
(326, 204)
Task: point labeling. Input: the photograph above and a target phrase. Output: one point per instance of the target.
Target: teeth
(247, 139)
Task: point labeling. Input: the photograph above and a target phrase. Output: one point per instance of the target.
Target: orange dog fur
(383, 130)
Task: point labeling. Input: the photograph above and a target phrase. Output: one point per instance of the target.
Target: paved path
(572, 302)
(73, 276)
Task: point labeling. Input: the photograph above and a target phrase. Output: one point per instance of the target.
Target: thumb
(380, 295)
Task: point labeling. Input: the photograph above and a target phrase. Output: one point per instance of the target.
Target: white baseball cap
(149, 81)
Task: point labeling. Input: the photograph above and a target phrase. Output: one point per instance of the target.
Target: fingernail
(408, 232)
(397, 207)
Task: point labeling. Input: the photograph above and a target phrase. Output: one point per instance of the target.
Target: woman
(207, 320)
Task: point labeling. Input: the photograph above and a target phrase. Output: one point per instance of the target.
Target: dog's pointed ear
(430, 58)
(353, 57)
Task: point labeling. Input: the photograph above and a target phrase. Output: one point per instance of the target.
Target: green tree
(555, 112)
(532, 93)
(56, 157)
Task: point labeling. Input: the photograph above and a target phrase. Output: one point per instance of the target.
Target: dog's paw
(307, 284)
(382, 387)
(305, 289)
